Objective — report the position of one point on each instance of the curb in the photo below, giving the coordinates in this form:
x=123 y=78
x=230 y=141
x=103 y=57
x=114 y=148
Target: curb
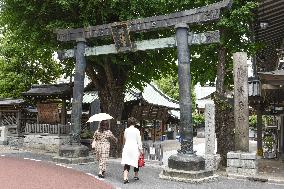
x=258 y=178
x=212 y=178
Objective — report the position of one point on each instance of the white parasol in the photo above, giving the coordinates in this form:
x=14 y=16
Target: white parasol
x=100 y=117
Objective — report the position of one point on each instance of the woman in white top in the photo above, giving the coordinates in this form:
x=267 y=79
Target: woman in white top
x=131 y=150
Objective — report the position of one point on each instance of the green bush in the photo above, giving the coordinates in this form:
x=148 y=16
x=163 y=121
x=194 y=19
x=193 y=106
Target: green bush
x=198 y=119
x=268 y=142
x=86 y=134
x=253 y=121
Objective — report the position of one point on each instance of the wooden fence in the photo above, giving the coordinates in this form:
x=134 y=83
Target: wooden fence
x=11 y=120
x=57 y=129
x=153 y=150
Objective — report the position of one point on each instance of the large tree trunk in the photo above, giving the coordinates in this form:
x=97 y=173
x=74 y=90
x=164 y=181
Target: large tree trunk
x=225 y=125
x=112 y=101
x=110 y=80
x=224 y=116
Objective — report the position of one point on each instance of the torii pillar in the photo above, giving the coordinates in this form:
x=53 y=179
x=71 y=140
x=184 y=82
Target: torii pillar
x=186 y=165
x=74 y=151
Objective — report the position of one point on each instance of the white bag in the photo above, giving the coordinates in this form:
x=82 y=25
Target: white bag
x=94 y=144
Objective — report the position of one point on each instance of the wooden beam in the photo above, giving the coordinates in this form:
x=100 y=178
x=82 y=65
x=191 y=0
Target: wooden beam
x=272 y=32
x=270 y=12
x=198 y=15
x=201 y=38
x=272 y=26
x=270 y=87
x=274 y=41
x=266 y=4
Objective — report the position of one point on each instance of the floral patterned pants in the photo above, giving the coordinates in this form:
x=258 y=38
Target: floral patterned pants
x=102 y=154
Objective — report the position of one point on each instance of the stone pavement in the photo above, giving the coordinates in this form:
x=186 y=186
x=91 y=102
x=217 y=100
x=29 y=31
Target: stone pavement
x=149 y=175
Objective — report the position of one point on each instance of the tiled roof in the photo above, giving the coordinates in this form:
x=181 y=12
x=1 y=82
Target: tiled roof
x=63 y=89
x=90 y=96
x=154 y=96
x=4 y=102
x=151 y=94
x=202 y=92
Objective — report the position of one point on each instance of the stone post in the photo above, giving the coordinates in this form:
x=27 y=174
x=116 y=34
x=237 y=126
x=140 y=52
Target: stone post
x=184 y=80
x=210 y=129
x=3 y=135
x=74 y=152
x=241 y=109
x=211 y=159
x=78 y=90
x=185 y=165
x=241 y=162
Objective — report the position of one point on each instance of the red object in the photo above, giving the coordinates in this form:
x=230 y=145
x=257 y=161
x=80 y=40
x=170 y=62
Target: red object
x=141 y=161
x=26 y=174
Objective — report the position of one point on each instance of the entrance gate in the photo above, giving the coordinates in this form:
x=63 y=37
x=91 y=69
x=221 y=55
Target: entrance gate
x=120 y=31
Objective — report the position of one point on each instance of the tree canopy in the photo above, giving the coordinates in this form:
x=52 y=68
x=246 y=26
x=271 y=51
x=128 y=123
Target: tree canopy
x=29 y=42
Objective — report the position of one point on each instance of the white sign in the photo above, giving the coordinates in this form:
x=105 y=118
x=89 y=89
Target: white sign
x=152 y=151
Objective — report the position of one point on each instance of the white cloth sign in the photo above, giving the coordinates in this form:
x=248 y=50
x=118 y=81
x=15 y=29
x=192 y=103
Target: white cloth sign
x=152 y=150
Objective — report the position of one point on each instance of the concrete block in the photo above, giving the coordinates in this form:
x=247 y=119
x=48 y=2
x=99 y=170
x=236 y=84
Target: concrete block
x=233 y=155
x=247 y=172
x=249 y=164
x=212 y=162
x=234 y=163
x=248 y=156
x=232 y=170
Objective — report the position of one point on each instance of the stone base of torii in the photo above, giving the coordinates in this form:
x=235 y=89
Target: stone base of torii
x=187 y=168
x=73 y=154
x=193 y=168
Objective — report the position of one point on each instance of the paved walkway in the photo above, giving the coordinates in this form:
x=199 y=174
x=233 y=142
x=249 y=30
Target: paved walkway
x=148 y=176
x=17 y=173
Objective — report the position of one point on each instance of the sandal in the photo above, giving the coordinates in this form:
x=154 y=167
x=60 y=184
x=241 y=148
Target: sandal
x=126 y=181
x=101 y=176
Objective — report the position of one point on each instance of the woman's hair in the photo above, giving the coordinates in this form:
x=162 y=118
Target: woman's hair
x=131 y=121
x=104 y=126
x=137 y=126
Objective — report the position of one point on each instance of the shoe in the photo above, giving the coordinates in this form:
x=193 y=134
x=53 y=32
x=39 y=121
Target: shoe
x=101 y=176
x=136 y=178
x=126 y=181
x=103 y=173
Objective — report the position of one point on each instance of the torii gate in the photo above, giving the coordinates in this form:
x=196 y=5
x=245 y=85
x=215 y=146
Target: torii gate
x=120 y=31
